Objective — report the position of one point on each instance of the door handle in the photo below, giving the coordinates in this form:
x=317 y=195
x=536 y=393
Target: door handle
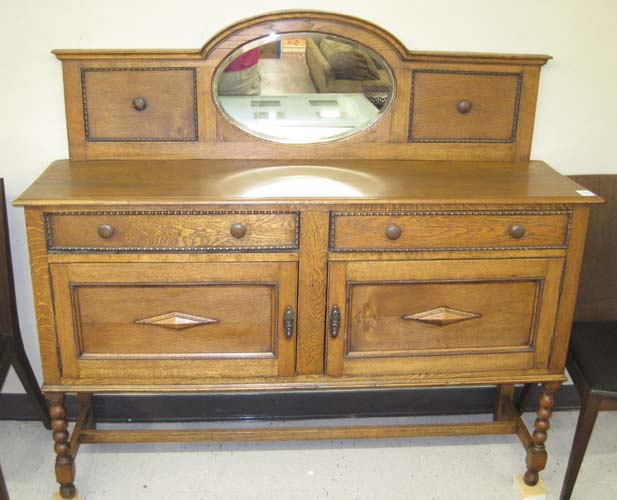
x=335 y=321
x=288 y=322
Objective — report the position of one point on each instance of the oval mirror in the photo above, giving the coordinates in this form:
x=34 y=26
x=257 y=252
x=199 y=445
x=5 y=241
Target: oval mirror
x=303 y=88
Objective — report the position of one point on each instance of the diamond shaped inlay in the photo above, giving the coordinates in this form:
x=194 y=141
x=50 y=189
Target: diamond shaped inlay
x=441 y=316
x=176 y=320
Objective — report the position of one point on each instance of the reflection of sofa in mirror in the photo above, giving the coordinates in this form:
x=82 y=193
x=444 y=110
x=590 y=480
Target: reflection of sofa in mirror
x=241 y=76
x=339 y=67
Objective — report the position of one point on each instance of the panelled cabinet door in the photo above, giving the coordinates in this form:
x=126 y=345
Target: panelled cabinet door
x=166 y=321
x=422 y=317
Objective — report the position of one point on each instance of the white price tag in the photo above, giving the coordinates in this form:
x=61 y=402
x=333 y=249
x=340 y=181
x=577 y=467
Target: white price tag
x=585 y=192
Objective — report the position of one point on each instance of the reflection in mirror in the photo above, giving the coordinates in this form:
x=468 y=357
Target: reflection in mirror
x=303 y=88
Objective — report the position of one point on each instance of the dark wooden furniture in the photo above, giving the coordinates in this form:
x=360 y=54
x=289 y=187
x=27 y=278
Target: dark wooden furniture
x=4 y=494
x=593 y=345
x=12 y=352
x=184 y=254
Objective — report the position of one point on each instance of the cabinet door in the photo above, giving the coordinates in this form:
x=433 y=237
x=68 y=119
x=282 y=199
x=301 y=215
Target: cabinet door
x=431 y=317
x=166 y=322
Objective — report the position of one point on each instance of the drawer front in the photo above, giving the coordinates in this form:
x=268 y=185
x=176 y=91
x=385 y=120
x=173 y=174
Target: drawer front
x=202 y=320
x=171 y=231
x=449 y=230
x=464 y=106
x=442 y=316
x=139 y=104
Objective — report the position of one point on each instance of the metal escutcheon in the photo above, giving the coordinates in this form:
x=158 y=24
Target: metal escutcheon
x=288 y=322
x=335 y=321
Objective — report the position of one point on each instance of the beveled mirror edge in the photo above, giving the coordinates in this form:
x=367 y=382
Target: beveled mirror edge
x=274 y=37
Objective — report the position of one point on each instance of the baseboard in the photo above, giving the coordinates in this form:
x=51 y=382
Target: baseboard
x=285 y=406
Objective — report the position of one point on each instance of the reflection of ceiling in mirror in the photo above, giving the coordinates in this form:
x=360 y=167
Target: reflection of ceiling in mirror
x=300 y=117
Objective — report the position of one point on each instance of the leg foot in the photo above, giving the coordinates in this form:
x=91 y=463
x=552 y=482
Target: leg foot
x=536 y=452
x=68 y=491
x=537 y=492
x=65 y=465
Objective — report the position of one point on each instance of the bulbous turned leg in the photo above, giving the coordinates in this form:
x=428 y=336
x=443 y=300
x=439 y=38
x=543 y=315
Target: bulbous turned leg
x=536 y=452
x=65 y=465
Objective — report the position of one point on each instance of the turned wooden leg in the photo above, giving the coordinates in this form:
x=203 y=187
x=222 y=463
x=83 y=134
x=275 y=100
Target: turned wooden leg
x=65 y=465
x=584 y=428
x=536 y=452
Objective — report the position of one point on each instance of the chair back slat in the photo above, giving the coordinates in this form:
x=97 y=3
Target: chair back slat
x=597 y=294
x=9 y=322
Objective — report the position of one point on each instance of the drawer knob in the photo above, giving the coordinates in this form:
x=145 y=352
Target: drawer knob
x=238 y=230
x=393 y=232
x=105 y=231
x=464 y=106
x=517 y=231
x=140 y=103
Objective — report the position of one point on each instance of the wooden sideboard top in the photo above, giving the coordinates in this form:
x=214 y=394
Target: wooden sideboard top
x=169 y=182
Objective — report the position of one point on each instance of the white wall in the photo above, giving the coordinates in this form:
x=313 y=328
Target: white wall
x=577 y=110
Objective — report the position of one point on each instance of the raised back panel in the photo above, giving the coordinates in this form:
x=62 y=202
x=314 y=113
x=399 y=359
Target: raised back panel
x=160 y=104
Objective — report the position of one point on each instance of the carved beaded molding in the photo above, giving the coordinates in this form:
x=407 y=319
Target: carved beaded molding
x=517 y=102
x=568 y=212
x=207 y=249
x=84 y=95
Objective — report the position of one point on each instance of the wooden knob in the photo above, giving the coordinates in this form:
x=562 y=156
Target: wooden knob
x=139 y=103
x=517 y=231
x=238 y=230
x=105 y=231
x=393 y=232
x=463 y=106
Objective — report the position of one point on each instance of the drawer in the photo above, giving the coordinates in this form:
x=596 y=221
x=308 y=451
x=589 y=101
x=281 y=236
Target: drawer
x=464 y=106
x=202 y=320
x=442 y=316
x=174 y=231
x=449 y=230
x=139 y=104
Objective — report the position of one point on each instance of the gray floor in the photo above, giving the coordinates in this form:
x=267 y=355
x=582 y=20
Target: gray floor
x=419 y=469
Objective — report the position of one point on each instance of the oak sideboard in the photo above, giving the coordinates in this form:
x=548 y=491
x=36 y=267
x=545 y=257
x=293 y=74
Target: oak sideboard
x=381 y=226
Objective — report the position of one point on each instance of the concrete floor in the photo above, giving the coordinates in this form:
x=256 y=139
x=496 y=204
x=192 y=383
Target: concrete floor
x=390 y=469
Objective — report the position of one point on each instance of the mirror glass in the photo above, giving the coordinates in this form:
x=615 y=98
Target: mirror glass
x=303 y=88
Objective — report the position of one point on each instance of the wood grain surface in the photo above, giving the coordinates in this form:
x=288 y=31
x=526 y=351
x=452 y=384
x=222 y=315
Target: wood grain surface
x=361 y=182
x=459 y=230
x=143 y=231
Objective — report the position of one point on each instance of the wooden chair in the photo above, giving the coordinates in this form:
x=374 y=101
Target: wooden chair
x=12 y=352
x=593 y=345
